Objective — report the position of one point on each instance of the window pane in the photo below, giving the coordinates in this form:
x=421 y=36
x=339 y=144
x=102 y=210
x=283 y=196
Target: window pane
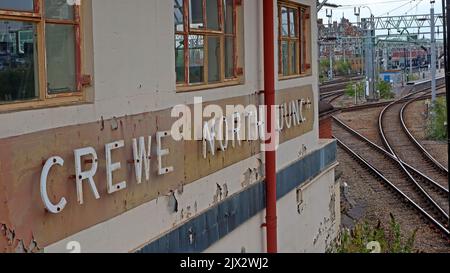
x=284 y=58
x=213 y=59
x=179 y=58
x=228 y=15
x=60 y=48
x=212 y=14
x=229 y=57
x=58 y=9
x=284 y=22
x=18 y=61
x=178 y=14
x=25 y=5
x=196 y=14
x=292 y=21
x=196 y=59
x=294 y=57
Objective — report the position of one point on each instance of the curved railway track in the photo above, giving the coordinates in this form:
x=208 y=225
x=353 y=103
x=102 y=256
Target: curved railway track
x=332 y=96
x=404 y=166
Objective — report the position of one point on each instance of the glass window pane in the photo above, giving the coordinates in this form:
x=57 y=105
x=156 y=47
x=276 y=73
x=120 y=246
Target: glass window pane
x=18 y=61
x=178 y=14
x=294 y=57
x=60 y=48
x=212 y=14
x=229 y=57
x=284 y=22
x=25 y=5
x=58 y=9
x=214 y=59
x=292 y=21
x=179 y=58
x=284 y=58
x=196 y=59
x=228 y=15
x=196 y=14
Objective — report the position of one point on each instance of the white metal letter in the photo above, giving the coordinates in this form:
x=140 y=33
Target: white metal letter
x=83 y=175
x=112 y=167
x=140 y=155
x=56 y=160
x=160 y=153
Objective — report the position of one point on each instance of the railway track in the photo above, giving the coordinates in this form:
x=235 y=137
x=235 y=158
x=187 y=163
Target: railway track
x=338 y=85
x=406 y=149
x=330 y=97
x=385 y=166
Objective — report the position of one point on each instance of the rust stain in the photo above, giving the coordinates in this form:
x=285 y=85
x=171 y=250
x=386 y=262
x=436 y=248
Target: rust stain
x=28 y=225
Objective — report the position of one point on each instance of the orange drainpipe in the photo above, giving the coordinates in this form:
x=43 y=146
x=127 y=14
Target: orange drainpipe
x=269 y=99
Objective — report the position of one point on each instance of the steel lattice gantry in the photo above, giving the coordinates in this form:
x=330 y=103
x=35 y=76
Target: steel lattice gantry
x=404 y=22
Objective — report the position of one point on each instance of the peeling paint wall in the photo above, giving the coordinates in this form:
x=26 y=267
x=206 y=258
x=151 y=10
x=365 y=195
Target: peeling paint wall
x=137 y=81
x=309 y=227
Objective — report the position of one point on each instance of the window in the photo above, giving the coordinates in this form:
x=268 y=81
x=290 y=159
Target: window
x=40 y=51
x=205 y=43
x=294 y=39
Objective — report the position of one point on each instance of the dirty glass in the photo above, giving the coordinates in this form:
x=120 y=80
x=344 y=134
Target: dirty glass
x=179 y=58
x=196 y=14
x=212 y=15
x=292 y=21
x=18 y=5
x=178 y=14
x=284 y=59
x=229 y=57
x=196 y=59
x=214 y=59
x=294 y=57
x=284 y=22
x=18 y=61
x=60 y=48
x=58 y=9
x=228 y=15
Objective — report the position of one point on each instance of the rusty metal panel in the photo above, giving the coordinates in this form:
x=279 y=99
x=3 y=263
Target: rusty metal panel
x=21 y=160
x=294 y=94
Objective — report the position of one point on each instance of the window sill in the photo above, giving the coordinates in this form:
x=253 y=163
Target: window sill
x=285 y=78
x=201 y=87
x=41 y=104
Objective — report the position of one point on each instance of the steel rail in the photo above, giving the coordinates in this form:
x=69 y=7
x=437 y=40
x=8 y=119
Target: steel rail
x=379 y=149
x=388 y=145
x=415 y=141
x=395 y=188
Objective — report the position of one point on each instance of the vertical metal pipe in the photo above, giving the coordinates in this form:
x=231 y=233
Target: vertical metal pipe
x=433 y=54
x=269 y=100
x=446 y=12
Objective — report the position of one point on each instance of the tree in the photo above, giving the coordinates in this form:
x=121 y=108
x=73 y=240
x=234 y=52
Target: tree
x=385 y=90
x=350 y=89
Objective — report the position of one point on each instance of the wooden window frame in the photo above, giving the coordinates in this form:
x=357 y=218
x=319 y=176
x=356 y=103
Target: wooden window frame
x=44 y=99
x=302 y=39
x=187 y=31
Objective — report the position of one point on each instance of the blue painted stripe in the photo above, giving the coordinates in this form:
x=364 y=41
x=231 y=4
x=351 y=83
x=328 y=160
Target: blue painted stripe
x=201 y=232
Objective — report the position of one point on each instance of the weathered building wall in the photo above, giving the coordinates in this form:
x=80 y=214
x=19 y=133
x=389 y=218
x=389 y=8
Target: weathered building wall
x=129 y=52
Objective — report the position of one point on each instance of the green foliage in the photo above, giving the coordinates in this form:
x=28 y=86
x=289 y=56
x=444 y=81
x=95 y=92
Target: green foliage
x=350 y=89
x=324 y=67
x=343 y=67
x=385 y=90
x=390 y=239
x=413 y=77
x=437 y=122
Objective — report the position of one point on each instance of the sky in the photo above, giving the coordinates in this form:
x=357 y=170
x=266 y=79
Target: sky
x=379 y=8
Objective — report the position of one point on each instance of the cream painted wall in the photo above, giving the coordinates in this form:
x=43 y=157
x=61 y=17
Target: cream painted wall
x=134 y=68
x=311 y=231
x=148 y=222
